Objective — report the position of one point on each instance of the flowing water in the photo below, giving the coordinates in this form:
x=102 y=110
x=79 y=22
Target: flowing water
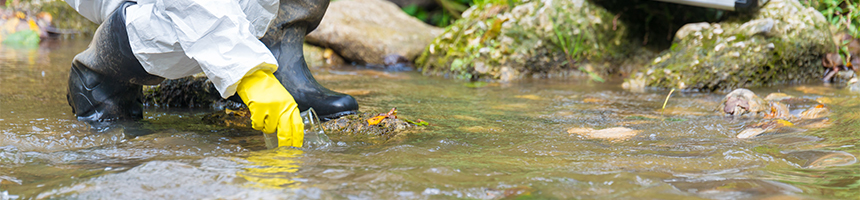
x=500 y=140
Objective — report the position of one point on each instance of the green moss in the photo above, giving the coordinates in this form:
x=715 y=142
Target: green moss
x=500 y=41
x=783 y=43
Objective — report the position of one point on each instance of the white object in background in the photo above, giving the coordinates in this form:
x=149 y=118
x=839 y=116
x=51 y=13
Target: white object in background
x=731 y=5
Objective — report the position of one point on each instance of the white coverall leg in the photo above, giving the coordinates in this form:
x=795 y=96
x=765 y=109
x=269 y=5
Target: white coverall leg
x=178 y=38
x=142 y=43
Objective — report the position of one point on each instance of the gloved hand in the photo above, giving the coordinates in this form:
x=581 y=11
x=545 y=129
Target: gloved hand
x=272 y=107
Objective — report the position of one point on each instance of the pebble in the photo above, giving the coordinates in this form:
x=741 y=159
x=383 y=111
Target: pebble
x=616 y=133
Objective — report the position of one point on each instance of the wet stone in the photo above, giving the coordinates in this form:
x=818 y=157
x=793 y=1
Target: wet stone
x=793 y=139
x=735 y=189
x=771 y=126
x=777 y=96
x=364 y=31
x=821 y=159
x=508 y=42
x=778 y=118
x=350 y=127
x=742 y=101
x=816 y=112
x=782 y=43
x=358 y=127
x=616 y=133
x=779 y=111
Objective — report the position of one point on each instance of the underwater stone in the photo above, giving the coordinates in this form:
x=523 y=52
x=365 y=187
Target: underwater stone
x=742 y=101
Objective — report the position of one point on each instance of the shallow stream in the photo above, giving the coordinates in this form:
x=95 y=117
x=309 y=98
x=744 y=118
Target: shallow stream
x=499 y=140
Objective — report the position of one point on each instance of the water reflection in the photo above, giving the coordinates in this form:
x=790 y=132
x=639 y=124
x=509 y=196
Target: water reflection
x=491 y=141
x=274 y=168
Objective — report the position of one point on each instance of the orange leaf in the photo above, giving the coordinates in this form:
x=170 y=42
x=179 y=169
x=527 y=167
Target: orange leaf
x=375 y=120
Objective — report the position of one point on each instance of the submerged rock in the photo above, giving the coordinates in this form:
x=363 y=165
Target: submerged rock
x=615 y=133
x=782 y=43
x=357 y=127
x=364 y=31
x=742 y=101
x=815 y=112
x=735 y=188
x=776 y=126
x=775 y=113
x=350 y=127
x=820 y=159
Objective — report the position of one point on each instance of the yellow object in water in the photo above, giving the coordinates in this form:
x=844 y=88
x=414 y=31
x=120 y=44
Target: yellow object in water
x=272 y=107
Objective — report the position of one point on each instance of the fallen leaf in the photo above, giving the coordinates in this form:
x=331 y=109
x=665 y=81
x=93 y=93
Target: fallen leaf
x=375 y=120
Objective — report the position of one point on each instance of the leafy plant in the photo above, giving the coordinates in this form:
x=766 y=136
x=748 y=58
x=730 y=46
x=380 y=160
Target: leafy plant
x=843 y=15
x=572 y=48
x=449 y=11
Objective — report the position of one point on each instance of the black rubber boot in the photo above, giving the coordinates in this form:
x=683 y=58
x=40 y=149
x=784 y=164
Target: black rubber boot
x=296 y=18
x=105 y=81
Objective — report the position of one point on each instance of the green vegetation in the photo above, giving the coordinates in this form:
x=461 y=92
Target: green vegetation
x=449 y=10
x=508 y=40
x=572 y=48
x=844 y=15
x=782 y=43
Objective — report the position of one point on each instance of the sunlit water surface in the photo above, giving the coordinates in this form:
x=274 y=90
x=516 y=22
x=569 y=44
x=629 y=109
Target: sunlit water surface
x=507 y=140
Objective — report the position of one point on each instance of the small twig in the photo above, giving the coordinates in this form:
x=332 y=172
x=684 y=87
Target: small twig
x=662 y=110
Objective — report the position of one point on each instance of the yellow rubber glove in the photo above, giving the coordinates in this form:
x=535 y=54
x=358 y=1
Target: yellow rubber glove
x=272 y=107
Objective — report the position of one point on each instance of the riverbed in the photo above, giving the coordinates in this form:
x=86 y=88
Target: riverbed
x=483 y=141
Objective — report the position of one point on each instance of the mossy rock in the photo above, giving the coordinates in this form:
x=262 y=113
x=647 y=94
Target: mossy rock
x=350 y=127
x=188 y=92
x=528 y=38
x=781 y=43
x=357 y=128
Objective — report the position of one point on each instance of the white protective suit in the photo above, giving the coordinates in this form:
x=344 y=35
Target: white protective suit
x=178 y=38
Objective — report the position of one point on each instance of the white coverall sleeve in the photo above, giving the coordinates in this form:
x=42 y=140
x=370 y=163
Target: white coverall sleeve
x=95 y=10
x=177 y=38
